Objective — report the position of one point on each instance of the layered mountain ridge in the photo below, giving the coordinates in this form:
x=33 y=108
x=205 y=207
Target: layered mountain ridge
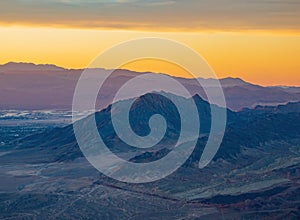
x=29 y=86
x=254 y=175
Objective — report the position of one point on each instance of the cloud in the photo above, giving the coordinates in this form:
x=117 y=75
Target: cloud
x=177 y=15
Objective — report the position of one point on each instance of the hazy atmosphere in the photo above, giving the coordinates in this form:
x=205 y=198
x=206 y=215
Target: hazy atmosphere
x=258 y=41
x=150 y=109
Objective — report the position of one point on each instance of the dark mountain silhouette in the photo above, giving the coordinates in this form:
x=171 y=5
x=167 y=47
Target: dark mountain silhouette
x=254 y=175
x=62 y=144
x=248 y=128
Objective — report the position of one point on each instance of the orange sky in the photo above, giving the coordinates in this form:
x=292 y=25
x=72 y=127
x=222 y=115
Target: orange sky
x=267 y=58
x=258 y=41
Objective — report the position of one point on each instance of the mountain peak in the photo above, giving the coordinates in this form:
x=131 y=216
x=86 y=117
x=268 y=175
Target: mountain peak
x=29 y=67
x=233 y=81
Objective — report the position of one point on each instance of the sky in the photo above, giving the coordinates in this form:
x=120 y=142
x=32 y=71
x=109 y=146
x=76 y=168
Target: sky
x=257 y=40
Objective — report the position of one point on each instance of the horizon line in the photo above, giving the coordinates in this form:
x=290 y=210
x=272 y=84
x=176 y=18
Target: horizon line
x=136 y=71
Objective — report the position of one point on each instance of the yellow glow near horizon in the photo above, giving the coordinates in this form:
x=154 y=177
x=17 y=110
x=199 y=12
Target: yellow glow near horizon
x=157 y=66
x=262 y=58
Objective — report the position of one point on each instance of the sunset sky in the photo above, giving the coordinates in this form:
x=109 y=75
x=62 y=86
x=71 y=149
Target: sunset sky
x=258 y=41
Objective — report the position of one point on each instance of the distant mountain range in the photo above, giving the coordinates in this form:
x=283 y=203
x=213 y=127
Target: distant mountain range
x=255 y=174
x=29 y=86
